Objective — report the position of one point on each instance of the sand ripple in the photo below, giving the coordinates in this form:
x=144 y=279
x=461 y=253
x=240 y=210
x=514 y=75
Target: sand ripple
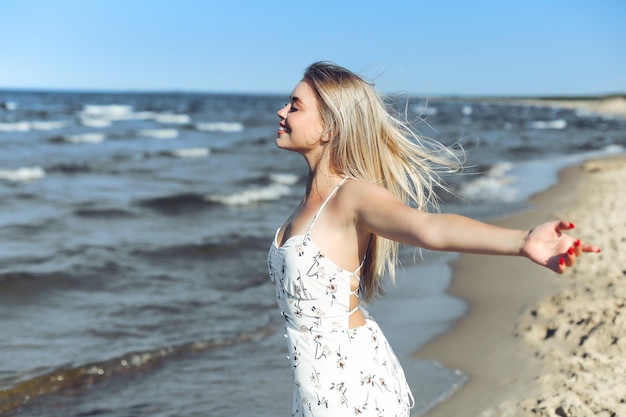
x=579 y=333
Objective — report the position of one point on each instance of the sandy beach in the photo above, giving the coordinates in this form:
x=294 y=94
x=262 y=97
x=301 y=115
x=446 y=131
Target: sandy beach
x=607 y=106
x=613 y=106
x=535 y=343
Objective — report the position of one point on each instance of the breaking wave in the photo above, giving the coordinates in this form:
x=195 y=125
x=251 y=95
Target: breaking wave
x=189 y=153
x=25 y=126
x=495 y=185
x=219 y=127
x=159 y=133
x=23 y=174
x=69 y=380
x=81 y=138
x=550 y=124
x=251 y=196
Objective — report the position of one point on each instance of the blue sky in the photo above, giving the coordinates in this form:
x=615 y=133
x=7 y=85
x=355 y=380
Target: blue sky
x=434 y=47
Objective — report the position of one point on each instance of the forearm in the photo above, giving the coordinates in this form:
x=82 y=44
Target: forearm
x=380 y=213
x=455 y=233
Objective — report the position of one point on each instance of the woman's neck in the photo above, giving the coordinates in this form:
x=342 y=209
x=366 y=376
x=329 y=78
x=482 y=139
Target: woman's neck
x=320 y=182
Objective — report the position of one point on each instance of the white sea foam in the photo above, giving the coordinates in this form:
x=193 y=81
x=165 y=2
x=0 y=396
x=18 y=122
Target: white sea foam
x=25 y=126
x=85 y=138
x=159 y=133
x=108 y=111
x=15 y=127
x=172 y=118
x=467 y=110
x=219 y=127
x=424 y=110
x=22 y=174
x=614 y=149
x=252 y=196
x=95 y=115
x=494 y=186
x=285 y=179
x=190 y=153
x=48 y=125
x=550 y=124
x=94 y=122
x=9 y=105
x=581 y=112
x=507 y=182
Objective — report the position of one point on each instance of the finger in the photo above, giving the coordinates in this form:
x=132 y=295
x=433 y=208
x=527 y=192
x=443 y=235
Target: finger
x=570 y=257
x=591 y=248
x=560 y=267
x=578 y=247
x=564 y=225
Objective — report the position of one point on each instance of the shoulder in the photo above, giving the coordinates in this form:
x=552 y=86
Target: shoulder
x=363 y=187
x=374 y=209
x=354 y=195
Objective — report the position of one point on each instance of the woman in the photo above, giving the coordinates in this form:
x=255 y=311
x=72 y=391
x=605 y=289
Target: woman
x=369 y=185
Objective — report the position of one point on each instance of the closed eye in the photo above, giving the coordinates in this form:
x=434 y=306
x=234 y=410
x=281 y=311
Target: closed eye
x=293 y=102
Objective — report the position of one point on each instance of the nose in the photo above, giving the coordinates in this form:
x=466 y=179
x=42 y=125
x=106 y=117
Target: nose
x=282 y=112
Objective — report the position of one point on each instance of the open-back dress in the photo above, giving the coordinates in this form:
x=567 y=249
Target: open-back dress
x=338 y=371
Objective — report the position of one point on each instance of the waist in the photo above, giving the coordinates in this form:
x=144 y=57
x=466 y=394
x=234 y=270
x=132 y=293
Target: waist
x=334 y=320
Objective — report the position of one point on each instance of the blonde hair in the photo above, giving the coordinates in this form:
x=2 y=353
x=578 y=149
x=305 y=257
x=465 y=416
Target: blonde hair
x=370 y=143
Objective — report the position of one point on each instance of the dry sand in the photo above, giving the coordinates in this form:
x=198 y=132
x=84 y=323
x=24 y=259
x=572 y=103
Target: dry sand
x=614 y=106
x=607 y=106
x=535 y=343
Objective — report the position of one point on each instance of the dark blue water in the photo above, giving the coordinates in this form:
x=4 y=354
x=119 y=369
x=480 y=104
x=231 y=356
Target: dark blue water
x=134 y=230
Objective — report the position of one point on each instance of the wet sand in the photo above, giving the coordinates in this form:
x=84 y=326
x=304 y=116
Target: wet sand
x=535 y=343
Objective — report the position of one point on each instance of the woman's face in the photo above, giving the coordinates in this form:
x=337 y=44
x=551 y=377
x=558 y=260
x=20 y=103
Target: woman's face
x=301 y=126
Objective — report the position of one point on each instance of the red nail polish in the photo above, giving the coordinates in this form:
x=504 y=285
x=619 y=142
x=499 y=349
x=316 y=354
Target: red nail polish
x=562 y=261
x=577 y=243
x=571 y=225
x=570 y=251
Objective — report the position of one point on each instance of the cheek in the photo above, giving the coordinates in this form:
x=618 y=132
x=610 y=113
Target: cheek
x=315 y=131
x=320 y=127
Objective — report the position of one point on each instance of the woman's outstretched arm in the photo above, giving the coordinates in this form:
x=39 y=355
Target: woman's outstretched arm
x=379 y=212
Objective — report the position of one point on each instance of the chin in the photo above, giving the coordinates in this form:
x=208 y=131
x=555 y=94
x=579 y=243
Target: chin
x=279 y=144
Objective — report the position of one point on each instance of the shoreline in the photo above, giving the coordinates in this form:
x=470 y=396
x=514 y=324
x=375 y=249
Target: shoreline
x=492 y=342
x=609 y=105
x=612 y=106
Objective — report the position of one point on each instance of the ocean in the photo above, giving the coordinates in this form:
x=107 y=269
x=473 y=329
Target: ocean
x=134 y=232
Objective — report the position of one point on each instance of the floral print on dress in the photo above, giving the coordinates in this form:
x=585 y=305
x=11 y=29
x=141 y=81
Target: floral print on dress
x=337 y=371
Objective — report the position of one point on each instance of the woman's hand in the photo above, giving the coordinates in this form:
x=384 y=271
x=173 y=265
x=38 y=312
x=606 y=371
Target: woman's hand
x=546 y=245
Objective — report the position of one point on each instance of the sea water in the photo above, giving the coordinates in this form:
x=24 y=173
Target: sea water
x=134 y=231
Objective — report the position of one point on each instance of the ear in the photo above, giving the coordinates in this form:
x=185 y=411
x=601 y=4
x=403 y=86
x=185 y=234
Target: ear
x=326 y=136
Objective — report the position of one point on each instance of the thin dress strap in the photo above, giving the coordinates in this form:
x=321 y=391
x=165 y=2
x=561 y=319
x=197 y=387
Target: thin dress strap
x=355 y=292
x=319 y=210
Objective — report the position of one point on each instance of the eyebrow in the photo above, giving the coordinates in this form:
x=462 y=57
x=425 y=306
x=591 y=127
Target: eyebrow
x=296 y=100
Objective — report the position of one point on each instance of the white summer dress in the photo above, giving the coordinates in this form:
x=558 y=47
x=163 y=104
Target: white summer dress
x=337 y=371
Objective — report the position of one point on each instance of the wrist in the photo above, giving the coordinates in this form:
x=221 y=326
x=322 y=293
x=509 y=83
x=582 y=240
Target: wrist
x=521 y=241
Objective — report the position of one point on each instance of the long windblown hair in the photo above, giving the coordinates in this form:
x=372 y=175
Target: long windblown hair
x=369 y=142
